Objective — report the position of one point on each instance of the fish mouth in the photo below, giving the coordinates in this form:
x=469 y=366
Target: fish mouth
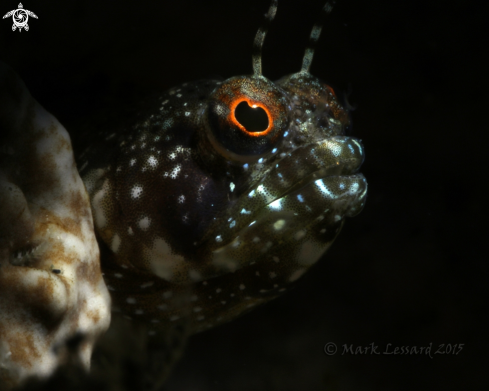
x=324 y=171
x=345 y=194
x=301 y=223
x=322 y=174
x=335 y=156
x=299 y=207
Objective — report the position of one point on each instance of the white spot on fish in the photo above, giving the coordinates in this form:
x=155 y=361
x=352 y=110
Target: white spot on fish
x=262 y=190
x=116 y=242
x=324 y=189
x=152 y=161
x=144 y=223
x=97 y=204
x=354 y=188
x=279 y=224
x=136 y=191
x=277 y=204
x=175 y=172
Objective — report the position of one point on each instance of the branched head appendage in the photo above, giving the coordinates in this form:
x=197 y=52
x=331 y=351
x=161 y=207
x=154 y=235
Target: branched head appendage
x=314 y=37
x=260 y=38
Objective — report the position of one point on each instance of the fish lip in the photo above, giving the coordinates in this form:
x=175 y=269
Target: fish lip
x=344 y=167
x=313 y=177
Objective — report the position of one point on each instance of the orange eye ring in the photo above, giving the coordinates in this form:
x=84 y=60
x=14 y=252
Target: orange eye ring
x=253 y=104
x=233 y=127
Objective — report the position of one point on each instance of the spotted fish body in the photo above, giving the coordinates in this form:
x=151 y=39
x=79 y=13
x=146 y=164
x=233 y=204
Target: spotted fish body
x=216 y=196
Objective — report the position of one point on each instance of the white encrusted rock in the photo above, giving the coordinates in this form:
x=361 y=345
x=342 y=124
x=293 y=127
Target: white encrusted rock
x=53 y=300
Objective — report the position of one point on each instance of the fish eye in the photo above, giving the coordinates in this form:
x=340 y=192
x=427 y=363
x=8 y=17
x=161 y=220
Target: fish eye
x=246 y=117
x=253 y=118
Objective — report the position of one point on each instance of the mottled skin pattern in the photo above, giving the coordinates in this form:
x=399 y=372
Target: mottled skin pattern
x=51 y=287
x=200 y=219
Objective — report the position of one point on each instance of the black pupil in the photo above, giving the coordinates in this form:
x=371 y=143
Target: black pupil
x=253 y=119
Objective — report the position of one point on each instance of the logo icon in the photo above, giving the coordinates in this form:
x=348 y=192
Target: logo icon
x=20 y=16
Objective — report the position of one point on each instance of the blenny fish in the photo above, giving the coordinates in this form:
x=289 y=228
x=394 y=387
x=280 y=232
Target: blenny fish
x=215 y=196
x=207 y=200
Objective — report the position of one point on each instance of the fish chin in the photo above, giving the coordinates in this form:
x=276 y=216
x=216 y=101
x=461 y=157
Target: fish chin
x=299 y=226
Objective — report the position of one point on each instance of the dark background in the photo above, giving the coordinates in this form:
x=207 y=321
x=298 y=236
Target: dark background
x=411 y=269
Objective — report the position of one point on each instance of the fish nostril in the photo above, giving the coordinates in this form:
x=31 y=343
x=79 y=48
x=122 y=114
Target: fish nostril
x=253 y=119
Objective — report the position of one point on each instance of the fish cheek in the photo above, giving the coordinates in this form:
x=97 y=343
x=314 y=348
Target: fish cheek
x=174 y=203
